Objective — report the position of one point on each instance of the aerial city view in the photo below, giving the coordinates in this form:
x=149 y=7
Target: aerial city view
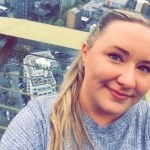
x=34 y=68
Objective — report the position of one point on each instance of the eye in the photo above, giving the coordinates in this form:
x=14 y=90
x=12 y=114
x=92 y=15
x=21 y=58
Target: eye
x=116 y=57
x=144 y=69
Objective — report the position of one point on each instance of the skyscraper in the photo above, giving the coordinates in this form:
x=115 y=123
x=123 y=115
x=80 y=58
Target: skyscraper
x=74 y=18
x=23 y=8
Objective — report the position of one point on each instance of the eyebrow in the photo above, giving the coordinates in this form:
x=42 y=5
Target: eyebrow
x=146 y=62
x=121 y=50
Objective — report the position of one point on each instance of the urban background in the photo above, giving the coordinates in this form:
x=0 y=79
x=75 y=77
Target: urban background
x=34 y=68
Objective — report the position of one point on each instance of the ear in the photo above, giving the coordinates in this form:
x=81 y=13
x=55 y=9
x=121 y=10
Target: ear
x=84 y=52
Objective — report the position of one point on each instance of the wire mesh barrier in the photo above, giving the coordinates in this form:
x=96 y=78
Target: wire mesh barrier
x=28 y=72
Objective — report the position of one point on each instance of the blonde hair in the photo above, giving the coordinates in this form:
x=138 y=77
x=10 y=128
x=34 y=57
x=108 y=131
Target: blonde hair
x=67 y=125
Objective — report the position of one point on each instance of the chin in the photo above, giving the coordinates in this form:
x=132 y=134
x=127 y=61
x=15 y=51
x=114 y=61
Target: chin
x=116 y=111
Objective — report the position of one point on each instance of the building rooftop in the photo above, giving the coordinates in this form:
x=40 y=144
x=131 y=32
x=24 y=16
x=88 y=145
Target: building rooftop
x=75 y=10
x=93 y=5
x=41 y=12
x=38 y=68
x=3 y=8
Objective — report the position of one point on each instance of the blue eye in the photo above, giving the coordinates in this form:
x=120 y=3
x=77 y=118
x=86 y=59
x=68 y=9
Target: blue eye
x=144 y=69
x=116 y=57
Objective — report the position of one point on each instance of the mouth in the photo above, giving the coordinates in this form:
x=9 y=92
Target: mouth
x=118 y=95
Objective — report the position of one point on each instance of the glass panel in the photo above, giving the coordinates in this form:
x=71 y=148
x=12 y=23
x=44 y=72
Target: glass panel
x=30 y=69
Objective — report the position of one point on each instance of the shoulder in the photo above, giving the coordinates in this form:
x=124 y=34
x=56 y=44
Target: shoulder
x=38 y=108
x=41 y=104
x=143 y=106
x=142 y=109
x=32 y=122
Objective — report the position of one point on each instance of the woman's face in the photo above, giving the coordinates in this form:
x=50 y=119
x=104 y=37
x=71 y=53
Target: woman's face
x=117 y=69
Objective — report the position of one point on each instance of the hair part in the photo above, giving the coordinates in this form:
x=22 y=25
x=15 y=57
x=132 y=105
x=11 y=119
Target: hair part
x=67 y=125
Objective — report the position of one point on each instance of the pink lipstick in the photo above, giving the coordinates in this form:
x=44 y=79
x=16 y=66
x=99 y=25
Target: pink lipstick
x=118 y=95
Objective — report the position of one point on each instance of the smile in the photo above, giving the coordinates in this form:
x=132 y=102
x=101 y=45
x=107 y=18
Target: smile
x=118 y=95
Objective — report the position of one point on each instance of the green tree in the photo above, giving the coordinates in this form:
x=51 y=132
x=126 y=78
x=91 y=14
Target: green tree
x=3 y=122
x=21 y=51
x=20 y=72
x=59 y=22
x=79 y=2
x=64 y=16
x=65 y=11
x=12 y=100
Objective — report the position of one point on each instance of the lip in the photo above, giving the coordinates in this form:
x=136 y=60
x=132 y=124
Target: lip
x=118 y=95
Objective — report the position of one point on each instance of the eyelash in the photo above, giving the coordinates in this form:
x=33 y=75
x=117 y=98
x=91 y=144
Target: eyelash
x=112 y=55
x=145 y=67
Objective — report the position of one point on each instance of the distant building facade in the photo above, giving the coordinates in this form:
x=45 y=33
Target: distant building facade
x=116 y=3
x=66 y=3
x=148 y=12
x=74 y=18
x=39 y=78
x=144 y=8
x=139 y=4
x=23 y=8
x=92 y=9
x=52 y=5
x=2 y=2
x=3 y=11
x=7 y=3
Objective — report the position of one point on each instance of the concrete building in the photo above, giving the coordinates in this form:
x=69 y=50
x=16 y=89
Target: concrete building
x=92 y=9
x=74 y=18
x=23 y=8
x=115 y=3
x=40 y=14
x=65 y=3
x=140 y=7
x=144 y=8
x=38 y=74
x=52 y=5
x=2 y=2
x=7 y=3
x=3 y=11
x=37 y=4
x=148 y=12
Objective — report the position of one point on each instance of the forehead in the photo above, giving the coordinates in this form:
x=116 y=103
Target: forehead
x=126 y=29
x=133 y=37
x=126 y=34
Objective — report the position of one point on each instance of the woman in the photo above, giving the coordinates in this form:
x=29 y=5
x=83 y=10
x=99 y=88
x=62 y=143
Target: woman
x=99 y=105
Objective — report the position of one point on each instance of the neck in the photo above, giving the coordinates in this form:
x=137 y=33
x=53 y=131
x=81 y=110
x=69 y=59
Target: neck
x=97 y=114
x=101 y=119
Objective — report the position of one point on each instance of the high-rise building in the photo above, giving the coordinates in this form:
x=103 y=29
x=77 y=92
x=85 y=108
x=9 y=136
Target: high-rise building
x=116 y=3
x=39 y=78
x=144 y=8
x=65 y=3
x=148 y=12
x=141 y=6
x=74 y=18
x=2 y=2
x=92 y=9
x=23 y=8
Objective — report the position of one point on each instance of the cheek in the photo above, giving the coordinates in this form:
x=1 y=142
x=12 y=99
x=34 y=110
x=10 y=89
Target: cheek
x=98 y=74
x=143 y=87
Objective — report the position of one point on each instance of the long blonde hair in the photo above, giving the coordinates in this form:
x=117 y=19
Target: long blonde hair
x=67 y=125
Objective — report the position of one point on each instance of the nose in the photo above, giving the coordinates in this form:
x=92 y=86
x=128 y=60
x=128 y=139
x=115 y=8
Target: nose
x=127 y=78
